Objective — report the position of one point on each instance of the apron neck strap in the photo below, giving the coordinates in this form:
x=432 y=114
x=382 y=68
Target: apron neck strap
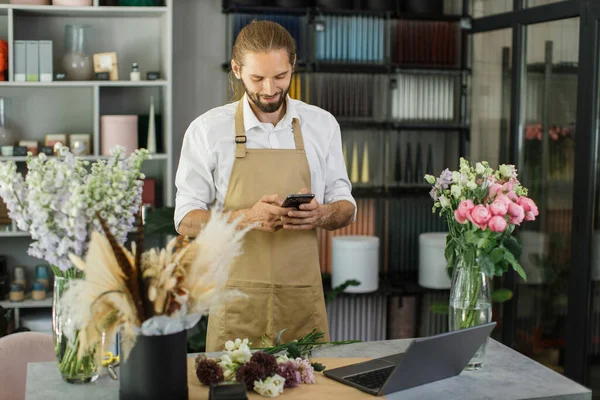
x=240 y=132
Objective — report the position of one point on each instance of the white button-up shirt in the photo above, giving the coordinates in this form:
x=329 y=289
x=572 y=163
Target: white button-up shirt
x=208 y=153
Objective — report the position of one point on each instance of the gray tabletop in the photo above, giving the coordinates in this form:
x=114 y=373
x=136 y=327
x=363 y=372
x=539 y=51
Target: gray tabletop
x=506 y=375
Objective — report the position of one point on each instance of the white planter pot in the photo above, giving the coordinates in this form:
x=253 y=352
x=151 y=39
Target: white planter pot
x=355 y=257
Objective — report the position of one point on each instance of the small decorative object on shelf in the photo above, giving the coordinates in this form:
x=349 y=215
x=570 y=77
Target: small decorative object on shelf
x=81 y=144
x=41 y=275
x=118 y=130
x=7 y=151
x=20 y=276
x=102 y=76
x=107 y=62
x=135 y=75
x=3 y=60
x=38 y=291
x=19 y=151
x=47 y=150
x=482 y=207
x=76 y=62
x=50 y=140
x=152 y=75
x=17 y=292
x=31 y=146
x=151 y=145
x=7 y=137
x=60 y=77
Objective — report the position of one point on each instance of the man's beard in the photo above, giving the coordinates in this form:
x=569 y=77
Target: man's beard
x=267 y=107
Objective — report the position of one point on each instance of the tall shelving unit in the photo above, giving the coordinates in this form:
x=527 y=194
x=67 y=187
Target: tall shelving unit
x=385 y=100
x=136 y=34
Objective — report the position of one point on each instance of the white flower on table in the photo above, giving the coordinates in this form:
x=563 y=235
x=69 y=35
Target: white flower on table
x=270 y=387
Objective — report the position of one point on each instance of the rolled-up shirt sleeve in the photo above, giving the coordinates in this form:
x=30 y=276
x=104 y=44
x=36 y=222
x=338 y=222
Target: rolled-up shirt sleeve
x=337 y=184
x=194 y=178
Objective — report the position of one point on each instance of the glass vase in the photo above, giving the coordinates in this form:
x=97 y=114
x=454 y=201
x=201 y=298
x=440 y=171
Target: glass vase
x=77 y=63
x=74 y=367
x=470 y=304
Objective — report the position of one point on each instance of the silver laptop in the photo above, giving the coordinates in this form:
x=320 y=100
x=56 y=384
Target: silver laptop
x=426 y=360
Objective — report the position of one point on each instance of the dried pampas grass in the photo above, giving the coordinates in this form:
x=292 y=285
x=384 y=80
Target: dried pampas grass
x=122 y=289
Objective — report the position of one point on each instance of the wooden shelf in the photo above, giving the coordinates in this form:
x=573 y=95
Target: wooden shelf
x=87 y=84
x=8 y=234
x=154 y=157
x=28 y=303
x=92 y=11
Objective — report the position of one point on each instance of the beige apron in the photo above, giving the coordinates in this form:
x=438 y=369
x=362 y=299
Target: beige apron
x=279 y=271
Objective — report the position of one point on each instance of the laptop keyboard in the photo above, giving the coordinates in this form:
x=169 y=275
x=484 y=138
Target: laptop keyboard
x=372 y=379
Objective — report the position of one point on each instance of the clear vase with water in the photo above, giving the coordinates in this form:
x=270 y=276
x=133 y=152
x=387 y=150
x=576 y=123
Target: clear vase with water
x=77 y=63
x=470 y=304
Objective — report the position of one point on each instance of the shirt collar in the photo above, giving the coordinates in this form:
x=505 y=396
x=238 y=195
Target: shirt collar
x=250 y=120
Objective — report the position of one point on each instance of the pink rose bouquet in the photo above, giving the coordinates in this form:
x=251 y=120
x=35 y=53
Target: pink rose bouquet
x=482 y=207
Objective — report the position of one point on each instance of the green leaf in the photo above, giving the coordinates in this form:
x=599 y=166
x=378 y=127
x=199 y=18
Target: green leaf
x=513 y=245
x=486 y=264
x=498 y=270
x=516 y=266
x=483 y=243
x=318 y=367
x=492 y=244
x=497 y=254
x=439 y=308
x=501 y=295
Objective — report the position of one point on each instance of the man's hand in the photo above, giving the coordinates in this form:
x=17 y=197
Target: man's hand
x=314 y=215
x=309 y=216
x=266 y=214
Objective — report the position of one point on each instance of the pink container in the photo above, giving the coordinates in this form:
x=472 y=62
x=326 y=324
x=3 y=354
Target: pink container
x=72 y=3
x=118 y=130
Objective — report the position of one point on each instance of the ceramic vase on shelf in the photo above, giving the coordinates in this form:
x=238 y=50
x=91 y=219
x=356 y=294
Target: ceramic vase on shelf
x=470 y=303
x=7 y=137
x=74 y=368
x=77 y=63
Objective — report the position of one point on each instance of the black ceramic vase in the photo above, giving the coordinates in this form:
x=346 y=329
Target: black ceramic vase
x=155 y=369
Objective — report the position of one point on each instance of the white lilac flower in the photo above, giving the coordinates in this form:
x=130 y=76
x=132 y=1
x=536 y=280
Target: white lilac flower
x=58 y=199
x=430 y=179
x=270 y=387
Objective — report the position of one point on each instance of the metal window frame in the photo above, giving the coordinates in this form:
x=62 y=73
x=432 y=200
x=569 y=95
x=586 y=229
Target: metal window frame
x=585 y=186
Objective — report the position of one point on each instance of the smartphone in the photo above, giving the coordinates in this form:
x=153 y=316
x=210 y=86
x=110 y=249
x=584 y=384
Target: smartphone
x=294 y=200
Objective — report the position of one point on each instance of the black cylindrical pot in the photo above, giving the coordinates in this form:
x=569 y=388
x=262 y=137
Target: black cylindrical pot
x=155 y=369
x=434 y=7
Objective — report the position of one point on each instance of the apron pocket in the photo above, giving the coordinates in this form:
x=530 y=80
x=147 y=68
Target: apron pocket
x=300 y=309
x=247 y=317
